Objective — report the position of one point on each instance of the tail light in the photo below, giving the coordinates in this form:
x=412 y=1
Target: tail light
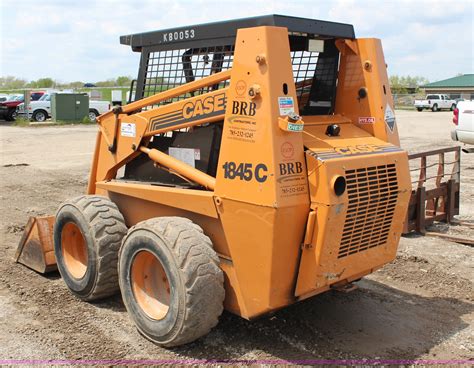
x=456 y=116
x=109 y=106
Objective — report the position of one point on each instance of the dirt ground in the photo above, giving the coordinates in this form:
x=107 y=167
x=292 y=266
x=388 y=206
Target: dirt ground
x=421 y=306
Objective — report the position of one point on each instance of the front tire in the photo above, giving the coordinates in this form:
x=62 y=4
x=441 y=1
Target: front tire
x=88 y=232
x=10 y=116
x=170 y=280
x=434 y=108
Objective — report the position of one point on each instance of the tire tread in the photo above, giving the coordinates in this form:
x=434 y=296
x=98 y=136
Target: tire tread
x=203 y=279
x=107 y=227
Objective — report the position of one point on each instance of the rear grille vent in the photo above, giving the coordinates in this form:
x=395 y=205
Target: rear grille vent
x=372 y=195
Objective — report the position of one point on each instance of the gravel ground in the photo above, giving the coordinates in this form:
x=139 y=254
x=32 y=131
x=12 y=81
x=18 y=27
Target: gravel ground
x=421 y=306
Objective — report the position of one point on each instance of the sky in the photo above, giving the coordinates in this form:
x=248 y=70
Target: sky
x=70 y=40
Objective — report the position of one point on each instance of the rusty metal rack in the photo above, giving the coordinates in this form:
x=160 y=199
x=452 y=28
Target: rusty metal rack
x=435 y=193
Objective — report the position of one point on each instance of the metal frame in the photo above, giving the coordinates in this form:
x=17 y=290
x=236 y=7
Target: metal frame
x=162 y=62
x=440 y=203
x=225 y=32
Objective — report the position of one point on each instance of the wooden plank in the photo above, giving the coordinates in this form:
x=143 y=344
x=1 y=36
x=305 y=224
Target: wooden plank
x=463 y=223
x=453 y=238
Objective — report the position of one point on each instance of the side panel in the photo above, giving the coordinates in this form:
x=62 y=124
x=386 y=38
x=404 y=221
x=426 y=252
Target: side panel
x=261 y=184
x=358 y=231
x=362 y=67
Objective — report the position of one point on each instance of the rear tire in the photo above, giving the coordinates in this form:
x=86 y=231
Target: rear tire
x=170 y=280
x=434 y=108
x=87 y=235
x=93 y=114
x=40 y=116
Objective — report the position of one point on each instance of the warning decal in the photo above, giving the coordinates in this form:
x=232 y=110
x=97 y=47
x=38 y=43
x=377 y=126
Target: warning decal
x=128 y=130
x=286 y=105
x=389 y=118
x=367 y=120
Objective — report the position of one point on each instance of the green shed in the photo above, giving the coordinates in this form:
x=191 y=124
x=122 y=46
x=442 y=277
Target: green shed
x=69 y=106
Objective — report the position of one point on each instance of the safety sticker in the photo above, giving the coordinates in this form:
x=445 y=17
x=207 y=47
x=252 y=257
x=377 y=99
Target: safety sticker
x=389 y=117
x=187 y=155
x=128 y=130
x=286 y=105
x=367 y=120
x=295 y=127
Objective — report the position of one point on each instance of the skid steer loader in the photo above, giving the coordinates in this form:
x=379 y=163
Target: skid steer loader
x=258 y=165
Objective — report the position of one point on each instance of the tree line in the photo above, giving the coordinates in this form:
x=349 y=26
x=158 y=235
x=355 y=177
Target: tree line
x=398 y=84
x=11 y=82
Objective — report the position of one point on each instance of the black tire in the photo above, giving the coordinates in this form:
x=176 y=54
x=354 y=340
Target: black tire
x=419 y=108
x=10 y=116
x=434 y=108
x=195 y=282
x=93 y=114
x=453 y=106
x=40 y=116
x=101 y=226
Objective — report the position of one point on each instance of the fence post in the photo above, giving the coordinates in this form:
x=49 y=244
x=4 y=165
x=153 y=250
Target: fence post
x=421 y=210
x=450 y=201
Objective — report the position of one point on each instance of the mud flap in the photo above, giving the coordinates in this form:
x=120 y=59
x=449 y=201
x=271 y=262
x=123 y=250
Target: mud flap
x=36 y=248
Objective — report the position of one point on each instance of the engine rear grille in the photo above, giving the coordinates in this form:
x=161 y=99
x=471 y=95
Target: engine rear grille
x=372 y=195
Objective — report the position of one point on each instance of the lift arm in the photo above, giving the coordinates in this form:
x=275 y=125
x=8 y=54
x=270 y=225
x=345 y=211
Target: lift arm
x=126 y=131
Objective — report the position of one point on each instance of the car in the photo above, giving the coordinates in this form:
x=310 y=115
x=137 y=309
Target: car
x=463 y=118
x=89 y=85
x=8 y=108
x=41 y=110
x=435 y=102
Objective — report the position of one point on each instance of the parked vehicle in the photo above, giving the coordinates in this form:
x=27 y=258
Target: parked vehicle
x=41 y=110
x=97 y=108
x=8 y=108
x=464 y=120
x=435 y=102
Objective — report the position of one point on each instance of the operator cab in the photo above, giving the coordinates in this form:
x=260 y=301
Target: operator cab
x=173 y=57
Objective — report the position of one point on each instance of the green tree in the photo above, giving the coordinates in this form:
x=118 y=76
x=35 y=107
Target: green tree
x=124 y=81
x=11 y=82
x=76 y=84
x=402 y=84
x=42 y=83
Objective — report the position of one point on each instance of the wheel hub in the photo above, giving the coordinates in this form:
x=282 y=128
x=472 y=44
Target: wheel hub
x=74 y=250
x=150 y=285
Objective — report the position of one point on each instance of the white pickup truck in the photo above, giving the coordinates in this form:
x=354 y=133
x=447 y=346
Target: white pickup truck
x=41 y=110
x=435 y=102
x=464 y=120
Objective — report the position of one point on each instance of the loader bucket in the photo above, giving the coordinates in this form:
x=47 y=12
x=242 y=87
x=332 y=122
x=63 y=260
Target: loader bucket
x=36 y=248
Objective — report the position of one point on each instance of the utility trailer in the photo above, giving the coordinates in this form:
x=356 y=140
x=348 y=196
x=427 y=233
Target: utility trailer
x=258 y=166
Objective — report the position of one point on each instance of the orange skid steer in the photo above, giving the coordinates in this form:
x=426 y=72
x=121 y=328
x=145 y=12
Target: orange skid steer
x=258 y=165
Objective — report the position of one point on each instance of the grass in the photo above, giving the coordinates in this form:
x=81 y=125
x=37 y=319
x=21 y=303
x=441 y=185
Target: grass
x=21 y=122
x=401 y=107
